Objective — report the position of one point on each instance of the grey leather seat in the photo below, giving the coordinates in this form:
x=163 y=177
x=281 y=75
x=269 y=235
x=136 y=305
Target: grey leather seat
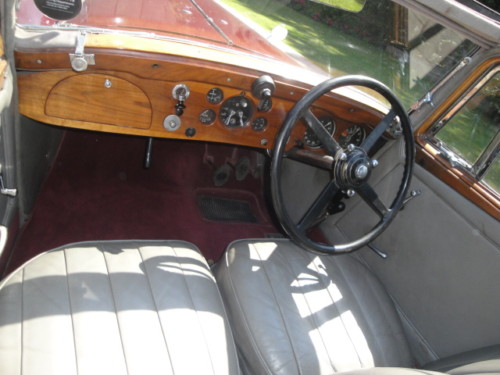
x=119 y=307
x=293 y=312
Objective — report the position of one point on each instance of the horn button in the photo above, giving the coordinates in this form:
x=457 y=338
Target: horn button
x=352 y=167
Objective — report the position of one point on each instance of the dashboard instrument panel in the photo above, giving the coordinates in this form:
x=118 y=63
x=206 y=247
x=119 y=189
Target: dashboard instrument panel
x=173 y=97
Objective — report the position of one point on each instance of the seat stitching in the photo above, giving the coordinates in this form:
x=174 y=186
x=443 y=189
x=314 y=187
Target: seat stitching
x=367 y=321
x=244 y=317
x=146 y=274
x=196 y=311
x=382 y=350
x=71 y=309
x=384 y=316
x=114 y=304
x=314 y=316
x=287 y=331
x=343 y=274
x=309 y=257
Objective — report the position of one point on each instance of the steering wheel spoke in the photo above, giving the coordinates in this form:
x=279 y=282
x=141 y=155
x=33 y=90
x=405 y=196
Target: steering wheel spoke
x=320 y=204
x=310 y=158
x=320 y=131
x=371 y=198
x=378 y=131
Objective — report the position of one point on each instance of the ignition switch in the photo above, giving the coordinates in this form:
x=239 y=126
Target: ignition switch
x=263 y=88
x=180 y=93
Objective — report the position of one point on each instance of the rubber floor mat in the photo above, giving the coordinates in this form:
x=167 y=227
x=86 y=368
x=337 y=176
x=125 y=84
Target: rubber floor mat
x=227 y=210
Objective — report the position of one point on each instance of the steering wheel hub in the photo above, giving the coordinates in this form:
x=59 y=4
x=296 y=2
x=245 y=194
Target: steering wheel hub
x=352 y=168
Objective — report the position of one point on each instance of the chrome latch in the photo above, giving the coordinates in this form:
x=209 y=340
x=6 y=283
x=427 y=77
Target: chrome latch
x=5 y=191
x=413 y=194
x=80 y=60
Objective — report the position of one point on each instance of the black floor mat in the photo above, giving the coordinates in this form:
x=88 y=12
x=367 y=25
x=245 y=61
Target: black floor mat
x=227 y=210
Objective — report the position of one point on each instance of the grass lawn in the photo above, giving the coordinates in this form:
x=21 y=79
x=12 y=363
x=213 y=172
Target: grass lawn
x=335 y=52
x=340 y=53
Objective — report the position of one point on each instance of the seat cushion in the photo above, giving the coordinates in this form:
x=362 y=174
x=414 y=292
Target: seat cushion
x=115 y=307
x=480 y=361
x=295 y=312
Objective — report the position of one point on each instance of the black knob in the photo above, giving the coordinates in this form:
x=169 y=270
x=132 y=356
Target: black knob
x=190 y=132
x=179 y=108
x=263 y=87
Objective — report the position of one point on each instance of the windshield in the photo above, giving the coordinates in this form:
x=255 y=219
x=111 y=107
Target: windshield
x=407 y=51
x=402 y=48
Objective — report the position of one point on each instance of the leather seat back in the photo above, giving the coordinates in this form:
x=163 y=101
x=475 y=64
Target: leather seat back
x=293 y=312
x=118 y=307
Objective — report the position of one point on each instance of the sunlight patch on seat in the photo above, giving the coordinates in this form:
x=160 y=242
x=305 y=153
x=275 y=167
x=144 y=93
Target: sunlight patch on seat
x=311 y=294
x=343 y=337
x=186 y=269
x=183 y=337
x=261 y=252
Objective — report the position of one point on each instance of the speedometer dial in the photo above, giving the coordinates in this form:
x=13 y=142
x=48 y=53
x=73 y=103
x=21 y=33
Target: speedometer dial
x=236 y=111
x=353 y=135
x=311 y=140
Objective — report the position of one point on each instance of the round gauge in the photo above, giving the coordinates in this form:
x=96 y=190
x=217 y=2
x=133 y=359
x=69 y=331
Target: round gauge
x=207 y=117
x=215 y=96
x=236 y=111
x=259 y=124
x=311 y=140
x=353 y=135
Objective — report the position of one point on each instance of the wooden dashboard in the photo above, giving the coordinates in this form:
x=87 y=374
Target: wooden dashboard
x=134 y=93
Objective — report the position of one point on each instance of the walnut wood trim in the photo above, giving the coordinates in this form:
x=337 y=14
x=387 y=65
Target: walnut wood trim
x=156 y=75
x=431 y=160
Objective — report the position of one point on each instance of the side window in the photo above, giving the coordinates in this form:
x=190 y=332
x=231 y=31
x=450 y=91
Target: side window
x=468 y=136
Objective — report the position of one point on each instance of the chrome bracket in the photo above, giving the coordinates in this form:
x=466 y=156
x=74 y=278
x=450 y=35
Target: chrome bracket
x=80 y=60
x=6 y=191
x=413 y=194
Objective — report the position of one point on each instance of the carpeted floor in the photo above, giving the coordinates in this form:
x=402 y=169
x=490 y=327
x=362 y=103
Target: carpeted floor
x=99 y=190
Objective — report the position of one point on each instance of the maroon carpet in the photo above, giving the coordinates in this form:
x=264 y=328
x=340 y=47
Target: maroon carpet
x=99 y=190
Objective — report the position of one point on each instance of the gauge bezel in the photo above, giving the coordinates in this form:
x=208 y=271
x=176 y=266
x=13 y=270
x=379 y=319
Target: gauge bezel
x=211 y=112
x=218 y=99
x=344 y=141
x=236 y=107
x=257 y=127
x=309 y=133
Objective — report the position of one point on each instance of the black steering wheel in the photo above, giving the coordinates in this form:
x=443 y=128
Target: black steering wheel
x=350 y=167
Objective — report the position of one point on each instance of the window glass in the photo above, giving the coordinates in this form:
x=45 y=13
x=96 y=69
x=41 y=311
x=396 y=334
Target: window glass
x=474 y=126
x=406 y=50
x=469 y=135
x=492 y=175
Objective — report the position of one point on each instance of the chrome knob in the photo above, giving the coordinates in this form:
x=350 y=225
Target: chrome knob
x=361 y=172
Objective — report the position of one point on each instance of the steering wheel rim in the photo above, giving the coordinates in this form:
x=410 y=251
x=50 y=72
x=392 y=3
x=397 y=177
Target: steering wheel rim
x=347 y=165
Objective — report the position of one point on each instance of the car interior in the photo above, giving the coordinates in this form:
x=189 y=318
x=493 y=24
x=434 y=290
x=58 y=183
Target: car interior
x=183 y=203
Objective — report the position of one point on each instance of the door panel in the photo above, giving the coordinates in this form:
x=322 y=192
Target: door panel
x=443 y=267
